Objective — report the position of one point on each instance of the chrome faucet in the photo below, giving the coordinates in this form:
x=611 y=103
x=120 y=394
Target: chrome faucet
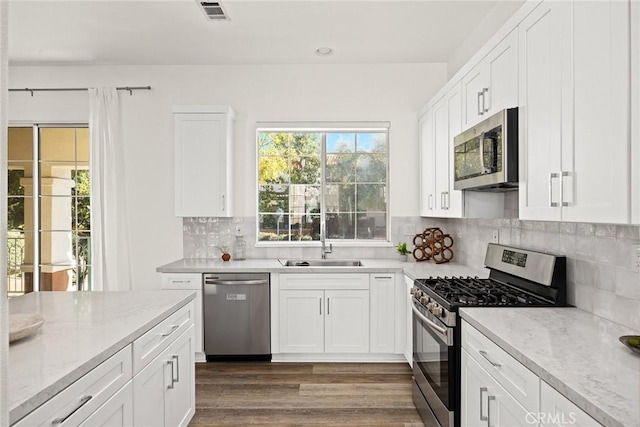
x=323 y=250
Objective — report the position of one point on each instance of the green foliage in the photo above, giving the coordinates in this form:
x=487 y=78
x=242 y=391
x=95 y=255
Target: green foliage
x=402 y=248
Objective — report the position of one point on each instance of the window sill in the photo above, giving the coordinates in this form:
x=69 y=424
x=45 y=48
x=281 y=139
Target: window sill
x=317 y=244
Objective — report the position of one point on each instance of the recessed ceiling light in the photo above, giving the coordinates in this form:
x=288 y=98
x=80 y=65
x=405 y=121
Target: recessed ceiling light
x=324 y=51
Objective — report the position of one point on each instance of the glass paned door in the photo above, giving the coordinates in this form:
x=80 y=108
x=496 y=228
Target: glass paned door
x=59 y=253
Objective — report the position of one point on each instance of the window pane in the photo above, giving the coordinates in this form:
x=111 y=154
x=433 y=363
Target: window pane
x=82 y=135
x=15 y=259
x=341 y=142
x=274 y=198
x=371 y=197
x=82 y=246
x=340 y=198
x=273 y=170
x=372 y=143
x=341 y=168
x=82 y=182
x=306 y=144
x=20 y=144
x=304 y=199
x=58 y=144
x=15 y=213
x=341 y=226
x=81 y=214
x=305 y=170
x=273 y=227
x=372 y=226
x=14 y=187
x=372 y=168
x=305 y=227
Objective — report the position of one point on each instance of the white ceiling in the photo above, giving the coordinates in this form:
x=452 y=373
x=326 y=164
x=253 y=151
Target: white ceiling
x=51 y=32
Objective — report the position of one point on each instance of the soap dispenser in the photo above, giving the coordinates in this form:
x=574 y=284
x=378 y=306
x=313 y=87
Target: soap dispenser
x=239 y=248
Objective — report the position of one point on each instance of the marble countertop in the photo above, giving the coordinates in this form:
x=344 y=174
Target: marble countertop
x=413 y=269
x=574 y=351
x=81 y=330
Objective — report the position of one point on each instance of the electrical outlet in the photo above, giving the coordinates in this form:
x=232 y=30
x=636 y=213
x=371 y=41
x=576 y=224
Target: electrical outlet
x=496 y=236
x=409 y=230
x=239 y=231
x=636 y=259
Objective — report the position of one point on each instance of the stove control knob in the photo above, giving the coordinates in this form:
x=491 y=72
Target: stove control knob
x=438 y=311
x=431 y=305
x=424 y=299
x=414 y=291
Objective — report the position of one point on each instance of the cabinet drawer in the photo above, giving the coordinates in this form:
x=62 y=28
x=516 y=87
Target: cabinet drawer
x=324 y=281
x=518 y=380
x=82 y=398
x=151 y=344
x=182 y=281
x=557 y=410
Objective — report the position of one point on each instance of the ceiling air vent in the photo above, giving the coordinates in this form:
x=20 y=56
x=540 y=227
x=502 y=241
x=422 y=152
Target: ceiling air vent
x=213 y=10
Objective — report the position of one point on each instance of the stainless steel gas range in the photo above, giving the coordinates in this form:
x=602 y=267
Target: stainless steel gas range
x=518 y=277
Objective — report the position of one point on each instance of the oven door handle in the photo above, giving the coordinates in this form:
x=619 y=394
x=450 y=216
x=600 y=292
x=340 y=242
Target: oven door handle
x=443 y=332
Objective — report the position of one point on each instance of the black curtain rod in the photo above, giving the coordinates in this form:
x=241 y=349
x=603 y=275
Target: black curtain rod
x=75 y=89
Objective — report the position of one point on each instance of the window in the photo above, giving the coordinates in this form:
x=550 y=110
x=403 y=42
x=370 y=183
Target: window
x=55 y=253
x=308 y=178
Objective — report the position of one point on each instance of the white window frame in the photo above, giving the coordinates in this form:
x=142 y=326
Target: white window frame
x=323 y=127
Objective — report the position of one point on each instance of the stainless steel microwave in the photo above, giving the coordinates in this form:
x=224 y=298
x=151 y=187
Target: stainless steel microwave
x=486 y=156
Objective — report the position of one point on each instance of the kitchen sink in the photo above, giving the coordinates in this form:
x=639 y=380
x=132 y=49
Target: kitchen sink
x=321 y=263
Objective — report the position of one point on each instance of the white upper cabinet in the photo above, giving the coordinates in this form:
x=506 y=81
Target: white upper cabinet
x=203 y=160
x=493 y=83
x=439 y=125
x=574 y=101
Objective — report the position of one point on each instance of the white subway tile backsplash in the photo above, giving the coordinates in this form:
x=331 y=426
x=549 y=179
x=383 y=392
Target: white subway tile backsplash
x=567 y=227
x=605 y=230
x=604 y=303
x=627 y=283
x=585 y=229
x=605 y=249
x=604 y=277
x=585 y=247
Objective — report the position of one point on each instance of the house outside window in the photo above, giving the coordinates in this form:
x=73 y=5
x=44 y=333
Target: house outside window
x=329 y=178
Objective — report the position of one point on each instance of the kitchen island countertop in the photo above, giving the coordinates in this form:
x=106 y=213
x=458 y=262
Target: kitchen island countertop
x=411 y=268
x=574 y=351
x=81 y=330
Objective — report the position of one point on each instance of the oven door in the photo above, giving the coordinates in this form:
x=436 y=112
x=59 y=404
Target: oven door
x=434 y=367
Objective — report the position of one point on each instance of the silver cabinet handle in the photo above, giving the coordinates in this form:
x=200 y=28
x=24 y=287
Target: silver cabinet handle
x=486 y=356
x=485 y=91
x=80 y=404
x=442 y=200
x=209 y=281
x=480 y=108
x=482 y=391
x=552 y=175
x=430 y=201
x=489 y=400
x=223 y=203
x=173 y=329
x=383 y=277
x=177 y=359
x=447 y=199
x=328 y=305
x=562 y=175
x=170 y=362
x=320 y=306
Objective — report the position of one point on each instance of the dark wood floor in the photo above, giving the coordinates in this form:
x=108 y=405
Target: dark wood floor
x=303 y=394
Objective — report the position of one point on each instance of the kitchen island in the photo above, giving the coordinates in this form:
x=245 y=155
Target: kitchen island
x=82 y=330
x=575 y=352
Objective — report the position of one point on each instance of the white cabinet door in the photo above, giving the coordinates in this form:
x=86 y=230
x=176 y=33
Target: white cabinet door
x=408 y=350
x=346 y=321
x=544 y=48
x=492 y=85
x=427 y=173
x=193 y=282
x=203 y=160
x=382 y=313
x=149 y=395
x=454 y=198
x=502 y=75
x=484 y=402
x=116 y=412
x=474 y=84
x=301 y=325
x=557 y=410
x=595 y=161
x=441 y=157
x=181 y=401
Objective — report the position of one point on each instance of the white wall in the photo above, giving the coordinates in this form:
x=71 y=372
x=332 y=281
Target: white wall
x=389 y=92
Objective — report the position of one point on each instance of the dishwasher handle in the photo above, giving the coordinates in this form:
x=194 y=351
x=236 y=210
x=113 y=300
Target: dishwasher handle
x=235 y=282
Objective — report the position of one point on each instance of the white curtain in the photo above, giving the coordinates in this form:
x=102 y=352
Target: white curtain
x=109 y=231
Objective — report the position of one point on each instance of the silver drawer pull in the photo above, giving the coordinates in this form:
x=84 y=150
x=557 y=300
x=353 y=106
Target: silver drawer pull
x=489 y=400
x=482 y=391
x=170 y=362
x=484 y=354
x=177 y=359
x=82 y=402
x=173 y=329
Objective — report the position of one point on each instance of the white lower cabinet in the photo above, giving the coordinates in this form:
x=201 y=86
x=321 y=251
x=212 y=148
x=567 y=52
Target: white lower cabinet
x=557 y=410
x=164 y=391
x=484 y=402
x=116 y=412
x=382 y=313
x=330 y=321
x=190 y=282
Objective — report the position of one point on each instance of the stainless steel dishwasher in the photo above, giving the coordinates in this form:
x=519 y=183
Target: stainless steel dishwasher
x=236 y=316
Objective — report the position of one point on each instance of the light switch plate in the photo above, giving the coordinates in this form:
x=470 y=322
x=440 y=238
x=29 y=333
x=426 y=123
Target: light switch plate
x=496 y=236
